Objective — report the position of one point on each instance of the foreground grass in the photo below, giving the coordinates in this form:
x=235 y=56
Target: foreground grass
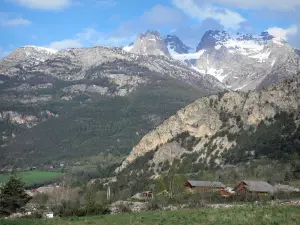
x=32 y=177
x=287 y=215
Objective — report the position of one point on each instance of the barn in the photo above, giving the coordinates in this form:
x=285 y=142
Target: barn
x=204 y=186
x=254 y=187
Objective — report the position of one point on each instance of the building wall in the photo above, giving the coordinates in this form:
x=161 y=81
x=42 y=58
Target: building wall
x=204 y=189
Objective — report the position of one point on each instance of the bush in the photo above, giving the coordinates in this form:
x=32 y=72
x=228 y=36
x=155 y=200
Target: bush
x=34 y=215
x=69 y=209
x=124 y=208
x=152 y=206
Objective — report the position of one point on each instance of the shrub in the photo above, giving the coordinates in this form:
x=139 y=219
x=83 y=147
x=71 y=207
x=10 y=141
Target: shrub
x=152 y=206
x=124 y=208
x=69 y=209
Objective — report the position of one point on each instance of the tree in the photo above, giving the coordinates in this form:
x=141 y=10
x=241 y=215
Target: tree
x=13 y=196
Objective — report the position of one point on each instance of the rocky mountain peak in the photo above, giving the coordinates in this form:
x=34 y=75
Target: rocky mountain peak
x=211 y=38
x=150 y=43
x=266 y=36
x=175 y=44
x=151 y=33
x=26 y=56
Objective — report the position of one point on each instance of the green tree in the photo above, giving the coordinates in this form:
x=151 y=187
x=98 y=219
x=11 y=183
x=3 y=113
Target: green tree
x=13 y=196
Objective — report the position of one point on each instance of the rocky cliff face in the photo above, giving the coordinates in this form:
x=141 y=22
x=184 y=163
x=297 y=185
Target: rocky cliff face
x=204 y=128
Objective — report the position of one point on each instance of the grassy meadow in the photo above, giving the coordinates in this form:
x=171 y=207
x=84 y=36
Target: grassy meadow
x=264 y=215
x=31 y=177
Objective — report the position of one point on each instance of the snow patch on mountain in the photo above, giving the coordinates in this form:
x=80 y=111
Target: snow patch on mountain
x=246 y=47
x=278 y=41
x=49 y=51
x=128 y=48
x=183 y=57
x=261 y=56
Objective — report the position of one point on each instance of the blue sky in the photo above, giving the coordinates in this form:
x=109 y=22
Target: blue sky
x=81 y=23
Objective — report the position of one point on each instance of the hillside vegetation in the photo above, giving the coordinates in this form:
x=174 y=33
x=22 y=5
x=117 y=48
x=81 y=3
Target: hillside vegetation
x=88 y=128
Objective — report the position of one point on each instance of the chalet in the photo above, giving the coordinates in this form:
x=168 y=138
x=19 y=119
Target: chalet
x=254 y=187
x=204 y=186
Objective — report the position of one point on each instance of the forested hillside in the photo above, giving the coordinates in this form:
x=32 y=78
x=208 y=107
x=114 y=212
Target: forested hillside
x=86 y=128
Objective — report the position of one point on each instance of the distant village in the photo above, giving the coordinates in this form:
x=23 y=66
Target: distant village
x=243 y=188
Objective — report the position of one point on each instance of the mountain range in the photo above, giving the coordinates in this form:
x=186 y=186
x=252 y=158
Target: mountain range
x=241 y=61
x=83 y=104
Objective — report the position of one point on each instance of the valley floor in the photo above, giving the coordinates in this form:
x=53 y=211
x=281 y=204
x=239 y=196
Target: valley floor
x=248 y=215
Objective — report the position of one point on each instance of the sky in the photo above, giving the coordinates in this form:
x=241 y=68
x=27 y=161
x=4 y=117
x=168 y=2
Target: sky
x=61 y=24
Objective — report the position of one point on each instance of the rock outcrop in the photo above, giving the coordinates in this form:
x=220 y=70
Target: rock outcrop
x=208 y=116
x=150 y=43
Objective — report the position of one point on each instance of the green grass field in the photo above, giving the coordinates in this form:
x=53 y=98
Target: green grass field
x=287 y=215
x=32 y=177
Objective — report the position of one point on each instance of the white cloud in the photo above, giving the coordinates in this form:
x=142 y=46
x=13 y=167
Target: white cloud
x=226 y=17
x=64 y=44
x=261 y=4
x=285 y=34
x=16 y=22
x=44 y=4
x=161 y=15
x=91 y=36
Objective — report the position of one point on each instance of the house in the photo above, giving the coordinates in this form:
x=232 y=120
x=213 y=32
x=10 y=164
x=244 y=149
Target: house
x=204 y=186
x=254 y=187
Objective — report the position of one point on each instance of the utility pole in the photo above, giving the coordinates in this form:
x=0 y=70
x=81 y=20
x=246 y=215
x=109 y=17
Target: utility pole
x=108 y=193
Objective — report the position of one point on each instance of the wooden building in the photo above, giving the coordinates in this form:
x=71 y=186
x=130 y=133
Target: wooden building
x=254 y=187
x=204 y=186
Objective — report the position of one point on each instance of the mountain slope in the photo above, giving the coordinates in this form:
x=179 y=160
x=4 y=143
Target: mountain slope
x=225 y=128
x=78 y=103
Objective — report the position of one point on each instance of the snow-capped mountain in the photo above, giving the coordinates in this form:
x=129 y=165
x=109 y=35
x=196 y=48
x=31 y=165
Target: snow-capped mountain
x=240 y=61
x=246 y=62
x=150 y=43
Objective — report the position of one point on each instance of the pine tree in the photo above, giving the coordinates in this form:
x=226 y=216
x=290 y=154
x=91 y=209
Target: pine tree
x=13 y=196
